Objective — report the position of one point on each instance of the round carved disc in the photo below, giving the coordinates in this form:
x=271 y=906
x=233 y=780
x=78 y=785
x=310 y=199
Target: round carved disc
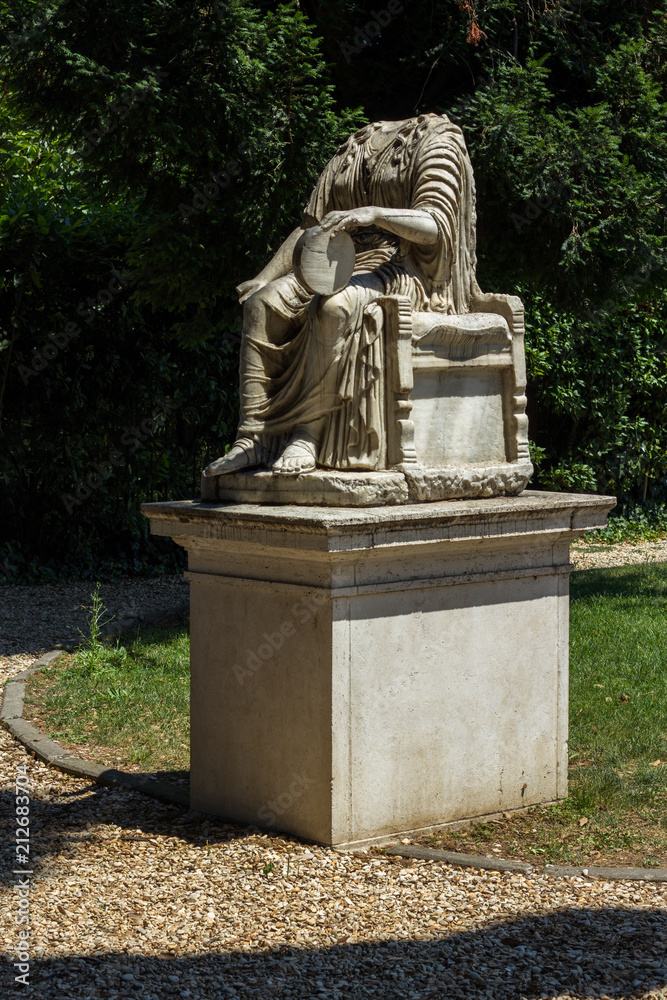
x=323 y=263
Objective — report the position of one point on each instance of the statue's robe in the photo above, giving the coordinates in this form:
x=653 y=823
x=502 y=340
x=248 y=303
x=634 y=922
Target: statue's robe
x=329 y=364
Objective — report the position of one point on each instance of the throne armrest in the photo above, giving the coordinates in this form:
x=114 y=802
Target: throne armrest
x=510 y=307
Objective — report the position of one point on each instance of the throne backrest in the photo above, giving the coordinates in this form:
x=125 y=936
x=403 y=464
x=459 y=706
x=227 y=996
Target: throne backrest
x=455 y=385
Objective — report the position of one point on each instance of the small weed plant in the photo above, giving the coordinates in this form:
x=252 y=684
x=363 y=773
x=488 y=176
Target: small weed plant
x=93 y=654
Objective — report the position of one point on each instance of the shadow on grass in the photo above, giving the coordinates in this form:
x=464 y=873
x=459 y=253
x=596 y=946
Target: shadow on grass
x=630 y=584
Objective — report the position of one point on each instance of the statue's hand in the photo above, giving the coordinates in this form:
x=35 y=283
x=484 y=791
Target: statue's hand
x=336 y=222
x=248 y=288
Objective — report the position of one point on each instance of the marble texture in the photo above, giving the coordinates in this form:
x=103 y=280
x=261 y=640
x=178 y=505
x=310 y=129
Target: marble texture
x=329 y=488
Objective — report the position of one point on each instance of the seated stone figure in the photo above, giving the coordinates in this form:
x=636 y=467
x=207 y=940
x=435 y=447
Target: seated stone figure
x=314 y=388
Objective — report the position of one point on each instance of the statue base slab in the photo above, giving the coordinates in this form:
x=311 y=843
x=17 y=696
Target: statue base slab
x=332 y=488
x=322 y=488
x=359 y=674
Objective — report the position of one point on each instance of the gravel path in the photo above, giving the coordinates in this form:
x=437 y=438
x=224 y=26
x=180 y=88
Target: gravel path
x=35 y=619
x=128 y=900
x=589 y=555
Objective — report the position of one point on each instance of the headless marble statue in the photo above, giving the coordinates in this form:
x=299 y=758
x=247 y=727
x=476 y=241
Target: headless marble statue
x=316 y=390
x=403 y=190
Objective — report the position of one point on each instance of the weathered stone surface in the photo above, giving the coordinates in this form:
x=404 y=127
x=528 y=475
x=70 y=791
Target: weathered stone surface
x=531 y=511
x=325 y=487
x=604 y=872
x=324 y=263
x=330 y=488
x=358 y=673
x=447 y=484
x=463 y=860
x=368 y=345
x=12 y=701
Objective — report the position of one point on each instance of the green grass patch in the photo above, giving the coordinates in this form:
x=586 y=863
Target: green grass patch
x=133 y=700
x=617 y=807
x=618 y=688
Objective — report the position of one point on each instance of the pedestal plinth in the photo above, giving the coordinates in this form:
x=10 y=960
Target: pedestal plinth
x=356 y=674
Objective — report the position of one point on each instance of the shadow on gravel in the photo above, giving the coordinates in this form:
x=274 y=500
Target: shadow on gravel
x=580 y=953
x=614 y=953
x=60 y=824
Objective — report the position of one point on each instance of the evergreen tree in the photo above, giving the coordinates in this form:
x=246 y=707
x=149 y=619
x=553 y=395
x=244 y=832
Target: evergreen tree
x=179 y=143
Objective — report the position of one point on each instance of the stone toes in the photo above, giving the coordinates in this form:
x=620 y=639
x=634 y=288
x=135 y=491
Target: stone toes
x=212 y=469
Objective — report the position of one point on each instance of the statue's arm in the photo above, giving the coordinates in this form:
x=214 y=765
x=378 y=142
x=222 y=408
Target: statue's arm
x=279 y=265
x=407 y=223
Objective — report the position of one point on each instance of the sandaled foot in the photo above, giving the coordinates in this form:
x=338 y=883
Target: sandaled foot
x=298 y=457
x=244 y=454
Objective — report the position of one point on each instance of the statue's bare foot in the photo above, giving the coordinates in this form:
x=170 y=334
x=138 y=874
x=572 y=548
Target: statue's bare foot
x=244 y=454
x=298 y=457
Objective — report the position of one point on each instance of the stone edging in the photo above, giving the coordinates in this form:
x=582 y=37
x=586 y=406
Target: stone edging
x=499 y=865
x=47 y=750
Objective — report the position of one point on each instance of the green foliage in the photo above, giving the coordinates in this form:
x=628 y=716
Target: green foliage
x=160 y=99
x=115 y=119
x=633 y=522
x=598 y=385
x=176 y=145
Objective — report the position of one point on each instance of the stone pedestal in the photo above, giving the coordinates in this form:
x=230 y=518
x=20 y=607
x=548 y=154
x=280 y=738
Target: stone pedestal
x=357 y=674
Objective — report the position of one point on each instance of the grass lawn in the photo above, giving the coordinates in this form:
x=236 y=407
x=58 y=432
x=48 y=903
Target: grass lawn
x=134 y=705
x=132 y=708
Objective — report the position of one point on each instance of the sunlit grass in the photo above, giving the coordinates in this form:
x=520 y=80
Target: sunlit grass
x=133 y=699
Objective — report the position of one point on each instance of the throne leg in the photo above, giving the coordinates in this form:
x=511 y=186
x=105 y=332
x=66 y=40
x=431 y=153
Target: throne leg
x=398 y=353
